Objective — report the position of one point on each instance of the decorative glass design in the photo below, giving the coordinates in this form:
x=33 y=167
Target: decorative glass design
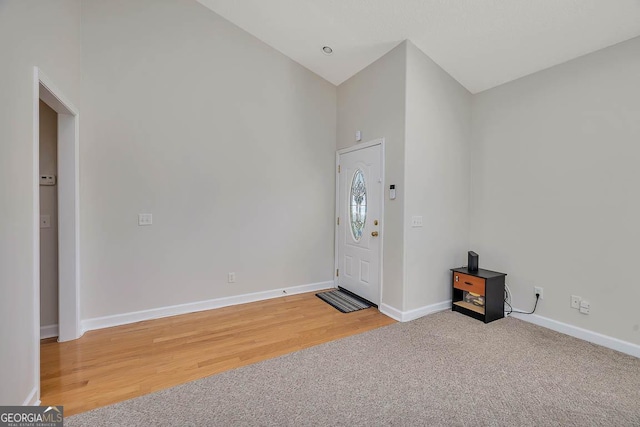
x=358 y=204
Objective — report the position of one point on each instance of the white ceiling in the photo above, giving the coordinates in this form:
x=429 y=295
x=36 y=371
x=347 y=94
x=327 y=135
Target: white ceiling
x=481 y=43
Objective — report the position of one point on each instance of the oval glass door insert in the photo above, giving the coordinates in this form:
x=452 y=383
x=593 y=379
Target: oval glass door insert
x=357 y=204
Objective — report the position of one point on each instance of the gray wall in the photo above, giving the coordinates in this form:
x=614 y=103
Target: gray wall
x=425 y=117
x=438 y=134
x=228 y=143
x=49 y=206
x=373 y=101
x=46 y=34
x=554 y=188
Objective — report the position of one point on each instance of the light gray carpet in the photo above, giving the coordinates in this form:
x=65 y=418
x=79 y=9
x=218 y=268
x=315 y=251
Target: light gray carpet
x=442 y=370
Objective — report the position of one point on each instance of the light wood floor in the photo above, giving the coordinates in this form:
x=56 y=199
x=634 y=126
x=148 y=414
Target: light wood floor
x=115 y=364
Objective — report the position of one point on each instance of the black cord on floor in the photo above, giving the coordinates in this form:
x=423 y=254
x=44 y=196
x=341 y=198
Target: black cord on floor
x=511 y=310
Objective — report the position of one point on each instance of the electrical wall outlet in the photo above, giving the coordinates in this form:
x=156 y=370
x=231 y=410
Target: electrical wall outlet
x=585 y=307
x=45 y=221
x=538 y=290
x=575 y=301
x=231 y=278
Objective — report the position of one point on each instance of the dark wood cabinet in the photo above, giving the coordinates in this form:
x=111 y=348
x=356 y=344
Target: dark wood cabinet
x=479 y=293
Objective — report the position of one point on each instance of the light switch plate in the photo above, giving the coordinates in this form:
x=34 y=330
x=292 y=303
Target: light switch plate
x=416 y=221
x=145 y=219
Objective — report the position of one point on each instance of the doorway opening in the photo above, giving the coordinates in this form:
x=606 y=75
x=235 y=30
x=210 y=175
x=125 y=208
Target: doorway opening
x=68 y=213
x=48 y=171
x=68 y=226
x=67 y=183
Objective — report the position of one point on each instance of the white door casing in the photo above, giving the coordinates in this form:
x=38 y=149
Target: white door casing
x=68 y=214
x=68 y=206
x=359 y=256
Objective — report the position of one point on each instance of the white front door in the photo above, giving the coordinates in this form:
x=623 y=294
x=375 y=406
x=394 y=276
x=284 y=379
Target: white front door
x=359 y=225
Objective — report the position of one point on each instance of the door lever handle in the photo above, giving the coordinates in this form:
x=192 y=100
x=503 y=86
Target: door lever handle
x=374 y=233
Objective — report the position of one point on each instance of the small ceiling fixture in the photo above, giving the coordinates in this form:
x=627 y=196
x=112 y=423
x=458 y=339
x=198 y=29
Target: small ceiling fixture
x=327 y=50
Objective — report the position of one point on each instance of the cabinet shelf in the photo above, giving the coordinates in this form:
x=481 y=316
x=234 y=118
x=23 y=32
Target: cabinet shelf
x=470 y=306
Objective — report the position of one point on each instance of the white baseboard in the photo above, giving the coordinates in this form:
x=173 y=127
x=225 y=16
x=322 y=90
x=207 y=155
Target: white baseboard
x=157 y=313
x=407 y=316
x=392 y=312
x=32 y=399
x=583 y=334
x=564 y=328
x=48 y=331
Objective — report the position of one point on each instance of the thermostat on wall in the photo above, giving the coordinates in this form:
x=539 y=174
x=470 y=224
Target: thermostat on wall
x=47 y=180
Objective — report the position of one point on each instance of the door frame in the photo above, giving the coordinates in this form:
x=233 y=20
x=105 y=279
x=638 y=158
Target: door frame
x=68 y=211
x=381 y=142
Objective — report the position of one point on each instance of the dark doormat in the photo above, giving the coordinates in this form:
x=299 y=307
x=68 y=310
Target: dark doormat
x=343 y=301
